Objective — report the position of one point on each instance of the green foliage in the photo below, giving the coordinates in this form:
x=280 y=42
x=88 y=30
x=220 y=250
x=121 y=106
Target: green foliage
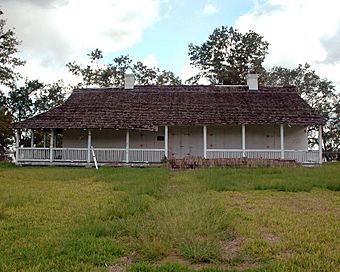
x=6 y=132
x=320 y=94
x=101 y=74
x=228 y=55
x=8 y=54
x=35 y=97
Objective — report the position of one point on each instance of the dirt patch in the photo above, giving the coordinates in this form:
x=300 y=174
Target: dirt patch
x=231 y=249
x=123 y=263
x=271 y=238
x=174 y=258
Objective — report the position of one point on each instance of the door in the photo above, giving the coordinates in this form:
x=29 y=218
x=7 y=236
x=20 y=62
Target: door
x=185 y=141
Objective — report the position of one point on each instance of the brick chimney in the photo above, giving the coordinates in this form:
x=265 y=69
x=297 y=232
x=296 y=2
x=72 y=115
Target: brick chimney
x=253 y=82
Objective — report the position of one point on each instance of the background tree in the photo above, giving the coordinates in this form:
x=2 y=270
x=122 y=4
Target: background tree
x=99 y=74
x=6 y=132
x=228 y=55
x=8 y=50
x=319 y=93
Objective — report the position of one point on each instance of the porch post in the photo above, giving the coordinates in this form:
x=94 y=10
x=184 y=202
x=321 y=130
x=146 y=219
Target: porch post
x=127 y=146
x=17 y=144
x=282 y=141
x=166 y=142
x=89 y=142
x=51 y=145
x=205 y=142
x=44 y=139
x=320 y=144
x=243 y=140
x=32 y=138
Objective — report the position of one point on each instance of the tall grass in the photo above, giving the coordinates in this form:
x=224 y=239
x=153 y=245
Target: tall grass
x=74 y=219
x=280 y=179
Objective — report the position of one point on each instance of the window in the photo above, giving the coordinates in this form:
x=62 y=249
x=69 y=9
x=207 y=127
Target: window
x=160 y=138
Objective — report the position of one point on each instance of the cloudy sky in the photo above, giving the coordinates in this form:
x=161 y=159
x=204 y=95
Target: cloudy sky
x=54 y=32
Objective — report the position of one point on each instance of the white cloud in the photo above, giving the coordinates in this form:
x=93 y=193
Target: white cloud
x=209 y=8
x=297 y=31
x=188 y=71
x=55 y=32
x=150 y=61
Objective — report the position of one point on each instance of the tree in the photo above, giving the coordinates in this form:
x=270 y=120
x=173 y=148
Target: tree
x=320 y=94
x=8 y=50
x=100 y=74
x=6 y=132
x=35 y=97
x=228 y=56
x=50 y=96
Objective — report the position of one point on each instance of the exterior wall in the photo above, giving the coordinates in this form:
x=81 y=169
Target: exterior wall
x=262 y=137
x=268 y=137
x=75 y=138
x=224 y=137
x=109 y=138
x=147 y=139
x=296 y=138
x=184 y=141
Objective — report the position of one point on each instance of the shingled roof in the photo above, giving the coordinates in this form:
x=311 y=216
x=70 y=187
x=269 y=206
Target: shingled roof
x=147 y=107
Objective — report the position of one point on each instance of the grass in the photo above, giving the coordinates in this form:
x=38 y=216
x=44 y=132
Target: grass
x=153 y=219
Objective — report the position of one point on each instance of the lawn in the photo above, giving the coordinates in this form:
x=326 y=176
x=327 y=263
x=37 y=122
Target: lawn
x=154 y=219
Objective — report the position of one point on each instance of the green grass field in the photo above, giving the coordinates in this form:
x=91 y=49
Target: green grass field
x=154 y=219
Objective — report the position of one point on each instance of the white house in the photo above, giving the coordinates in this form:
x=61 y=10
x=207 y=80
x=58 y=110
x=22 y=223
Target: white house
x=149 y=123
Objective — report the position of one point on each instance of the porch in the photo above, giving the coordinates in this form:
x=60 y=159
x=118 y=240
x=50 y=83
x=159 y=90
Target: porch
x=81 y=147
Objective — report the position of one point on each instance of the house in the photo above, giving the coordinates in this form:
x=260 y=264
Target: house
x=149 y=123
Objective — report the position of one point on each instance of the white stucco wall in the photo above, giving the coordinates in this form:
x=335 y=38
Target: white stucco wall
x=296 y=138
x=113 y=138
x=257 y=137
x=75 y=138
x=186 y=140
x=263 y=137
x=224 y=137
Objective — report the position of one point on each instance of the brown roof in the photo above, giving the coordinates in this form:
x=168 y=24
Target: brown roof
x=146 y=107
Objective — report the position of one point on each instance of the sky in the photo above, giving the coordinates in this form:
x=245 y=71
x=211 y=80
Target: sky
x=158 y=32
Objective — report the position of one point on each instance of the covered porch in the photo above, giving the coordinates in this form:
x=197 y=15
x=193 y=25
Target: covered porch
x=107 y=146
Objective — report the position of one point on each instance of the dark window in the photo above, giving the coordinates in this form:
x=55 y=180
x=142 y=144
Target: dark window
x=160 y=138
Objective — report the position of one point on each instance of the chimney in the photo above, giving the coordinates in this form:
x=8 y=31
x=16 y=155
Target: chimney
x=129 y=80
x=253 y=82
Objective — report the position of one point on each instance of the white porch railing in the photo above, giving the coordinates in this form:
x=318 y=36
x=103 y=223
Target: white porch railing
x=146 y=155
x=33 y=154
x=70 y=154
x=297 y=155
x=223 y=153
x=263 y=154
x=303 y=155
x=110 y=154
x=26 y=154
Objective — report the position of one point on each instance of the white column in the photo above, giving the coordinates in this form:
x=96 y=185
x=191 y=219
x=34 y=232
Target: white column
x=243 y=140
x=51 y=145
x=89 y=142
x=166 y=142
x=127 y=146
x=17 y=143
x=320 y=144
x=205 y=142
x=32 y=138
x=282 y=139
x=44 y=139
